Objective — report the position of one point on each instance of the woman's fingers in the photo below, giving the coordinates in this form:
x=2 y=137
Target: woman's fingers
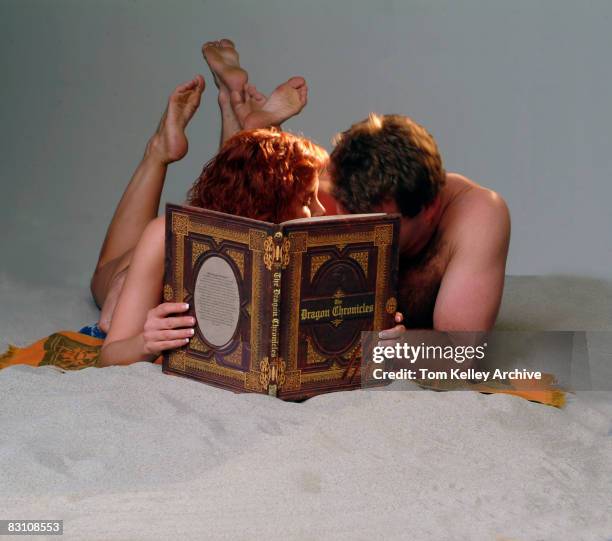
x=163 y=336
x=157 y=316
x=176 y=322
x=167 y=308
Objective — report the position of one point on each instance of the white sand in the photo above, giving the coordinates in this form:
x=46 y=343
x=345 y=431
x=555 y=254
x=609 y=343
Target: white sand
x=129 y=453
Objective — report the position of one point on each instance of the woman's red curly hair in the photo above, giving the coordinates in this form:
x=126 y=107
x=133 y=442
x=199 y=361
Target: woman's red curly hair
x=258 y=174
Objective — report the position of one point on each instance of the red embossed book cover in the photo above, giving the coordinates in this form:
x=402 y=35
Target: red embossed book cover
x=279 y=307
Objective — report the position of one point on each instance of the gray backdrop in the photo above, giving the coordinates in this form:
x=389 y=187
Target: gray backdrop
x=517 y=94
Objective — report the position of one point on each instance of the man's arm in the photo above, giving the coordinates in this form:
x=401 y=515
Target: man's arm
x=471 y=289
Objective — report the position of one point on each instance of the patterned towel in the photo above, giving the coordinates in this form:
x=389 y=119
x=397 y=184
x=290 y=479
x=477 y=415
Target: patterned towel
x=68 y=350
x=71 y=350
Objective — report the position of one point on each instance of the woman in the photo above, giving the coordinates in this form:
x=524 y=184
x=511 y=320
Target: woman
x=263 y=174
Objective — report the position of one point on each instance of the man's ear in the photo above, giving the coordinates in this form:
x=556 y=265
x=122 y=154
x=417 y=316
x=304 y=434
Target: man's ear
x=431 y=211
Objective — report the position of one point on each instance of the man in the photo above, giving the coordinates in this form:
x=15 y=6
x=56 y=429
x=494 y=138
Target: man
x=454 y=234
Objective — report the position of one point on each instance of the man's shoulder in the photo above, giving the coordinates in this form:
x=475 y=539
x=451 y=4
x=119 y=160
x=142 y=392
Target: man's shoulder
x=475 y=213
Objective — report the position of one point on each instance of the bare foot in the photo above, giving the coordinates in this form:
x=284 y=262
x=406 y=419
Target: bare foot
x=256 y=100
x=170 y=142
x=286 y=101
x=223 y=60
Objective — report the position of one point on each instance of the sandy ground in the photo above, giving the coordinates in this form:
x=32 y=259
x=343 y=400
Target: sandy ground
x=129 y=453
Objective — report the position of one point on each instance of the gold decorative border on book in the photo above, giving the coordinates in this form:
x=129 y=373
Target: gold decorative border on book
x=293 y=380
x=381 y=286
x=285 y=252
x=180 y=224
x=362 y=259
x=316 y=261
x=341 y=239
x=177 y=360
x=268 y=255
x=198 y=345
x=238 y=258
x=220 y=233
x=235 y=357
x=298 y=245
x=383 y=237
x=252 y=381
x=325 y=375
x=180 y=228
x=312 y=357
x=197 y=249
x=212 y=367
x=256 y=245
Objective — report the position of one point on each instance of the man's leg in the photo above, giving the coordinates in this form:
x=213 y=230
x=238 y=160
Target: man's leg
x=242 y=105
x=224 y=63
x=140 y=201
x=286 y=101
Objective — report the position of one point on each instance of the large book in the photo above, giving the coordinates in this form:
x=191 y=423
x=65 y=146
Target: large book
x=279 y=307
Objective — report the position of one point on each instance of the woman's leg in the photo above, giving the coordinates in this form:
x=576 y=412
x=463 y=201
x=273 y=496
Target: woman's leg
x=140 y=201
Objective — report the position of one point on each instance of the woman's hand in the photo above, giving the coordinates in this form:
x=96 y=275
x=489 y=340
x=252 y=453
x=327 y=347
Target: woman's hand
x=163 y=331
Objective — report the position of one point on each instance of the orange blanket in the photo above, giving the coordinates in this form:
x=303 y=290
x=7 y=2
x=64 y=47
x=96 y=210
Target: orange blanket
x=66 y=349
x=71 y=350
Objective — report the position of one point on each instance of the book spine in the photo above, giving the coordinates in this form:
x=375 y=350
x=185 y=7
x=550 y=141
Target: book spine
x=275 y=322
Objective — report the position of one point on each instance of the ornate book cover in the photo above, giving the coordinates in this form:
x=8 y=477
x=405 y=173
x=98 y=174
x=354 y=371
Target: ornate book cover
x=279 y=307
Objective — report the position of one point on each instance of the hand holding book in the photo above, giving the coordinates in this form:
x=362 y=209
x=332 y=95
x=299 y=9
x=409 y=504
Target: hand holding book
x=163 y=331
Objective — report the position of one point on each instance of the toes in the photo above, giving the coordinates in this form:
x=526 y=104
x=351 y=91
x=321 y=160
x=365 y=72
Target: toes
x=303 y=93
x=257 y=95
x=224 y=96
x=197 y=83
x=253 y=93
x=236 y=98
x=185 y=86
x=210 y=46
x=227 y=43
x=239 y=106
x=207 y=45
x=200 y=82
x=296 y=82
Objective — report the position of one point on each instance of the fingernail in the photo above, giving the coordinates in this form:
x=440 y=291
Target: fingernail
x=192 y=320
x=186 y=340
x=186 y=306
x=191 y=332
x=382 y=334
